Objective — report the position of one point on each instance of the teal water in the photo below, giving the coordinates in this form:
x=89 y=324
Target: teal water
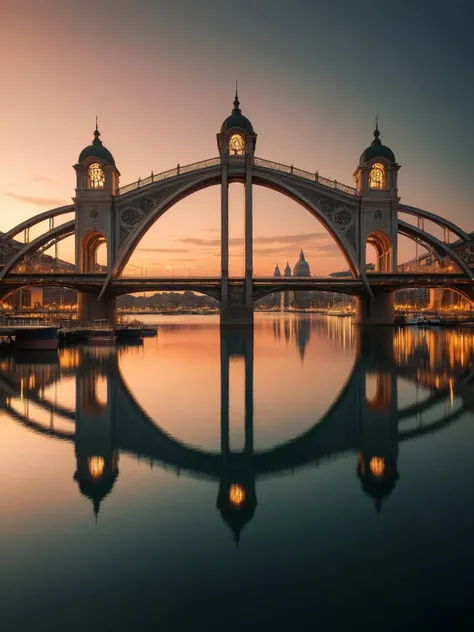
x=304 y=476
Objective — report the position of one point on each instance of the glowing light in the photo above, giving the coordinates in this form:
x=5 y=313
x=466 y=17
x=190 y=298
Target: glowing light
x=96 y=176
x=377 y=176
x=237 y=496
x=236 y=144
x=96 y=466
x=377 y=466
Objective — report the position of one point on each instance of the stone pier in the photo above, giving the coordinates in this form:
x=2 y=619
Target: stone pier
x=89 y=308
x=378 y=310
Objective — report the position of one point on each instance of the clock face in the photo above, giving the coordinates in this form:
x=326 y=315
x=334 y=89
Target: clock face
x=96 y=176
x=377 y=177
x=236 y=144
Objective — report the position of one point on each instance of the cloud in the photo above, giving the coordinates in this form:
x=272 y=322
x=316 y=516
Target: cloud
x=168 y=250
x=41 y=179
x=39 y=201
x=288 y=240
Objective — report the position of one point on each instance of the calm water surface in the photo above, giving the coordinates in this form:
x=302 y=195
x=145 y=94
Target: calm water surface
x=303 y=476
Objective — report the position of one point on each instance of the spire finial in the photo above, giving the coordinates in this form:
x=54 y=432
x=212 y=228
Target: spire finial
x=376 y=131
x=96 y=140
x=236 y=99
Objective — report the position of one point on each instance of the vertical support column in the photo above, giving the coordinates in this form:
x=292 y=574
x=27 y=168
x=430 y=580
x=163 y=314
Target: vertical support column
x=224 y=234
x=248 y=232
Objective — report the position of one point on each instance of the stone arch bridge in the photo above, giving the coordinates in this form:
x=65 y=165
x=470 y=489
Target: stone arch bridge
x=369 y=213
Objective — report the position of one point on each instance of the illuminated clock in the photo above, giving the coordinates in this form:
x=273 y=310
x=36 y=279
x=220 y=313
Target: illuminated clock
x=236 y=144
x=96 y=176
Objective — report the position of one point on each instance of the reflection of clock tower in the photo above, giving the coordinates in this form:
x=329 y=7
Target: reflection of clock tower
x=236 y=142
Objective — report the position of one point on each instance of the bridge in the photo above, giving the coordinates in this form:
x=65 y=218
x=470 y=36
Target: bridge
x=370 y=426
x=369 y=213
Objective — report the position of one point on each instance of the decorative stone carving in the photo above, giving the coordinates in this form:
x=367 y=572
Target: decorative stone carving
x=131 y=217
x=343 y=217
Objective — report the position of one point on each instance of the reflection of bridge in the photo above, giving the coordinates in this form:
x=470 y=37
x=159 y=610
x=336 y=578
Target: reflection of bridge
x=369 y=424
x=119 y=217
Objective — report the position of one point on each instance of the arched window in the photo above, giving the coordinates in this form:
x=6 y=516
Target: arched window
x=96 y=176
x=377 y=176
x=236 y=144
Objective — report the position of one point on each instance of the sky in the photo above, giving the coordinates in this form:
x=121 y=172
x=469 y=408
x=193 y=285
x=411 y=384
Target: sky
x=160 y=75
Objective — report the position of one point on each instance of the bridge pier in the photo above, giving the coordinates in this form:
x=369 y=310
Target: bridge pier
x=375 y=311
x=89 y=308
x=235 y=310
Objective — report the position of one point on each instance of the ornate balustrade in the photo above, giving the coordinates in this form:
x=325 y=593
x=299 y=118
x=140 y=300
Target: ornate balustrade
x=258 y=162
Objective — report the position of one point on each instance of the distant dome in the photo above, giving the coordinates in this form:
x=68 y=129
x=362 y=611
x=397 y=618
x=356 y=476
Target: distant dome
x=287 y=270
x=277 y=272
x=377 y=150
x=97 y=150
x=237 y=120
x=301 y=268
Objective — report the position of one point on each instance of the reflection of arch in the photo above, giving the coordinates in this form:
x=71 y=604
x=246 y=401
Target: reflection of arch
x=90 y=244
x=305 y=197
x=383 y=247
x=382 y=397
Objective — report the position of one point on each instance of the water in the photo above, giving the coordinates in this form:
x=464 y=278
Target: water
x=304 y=476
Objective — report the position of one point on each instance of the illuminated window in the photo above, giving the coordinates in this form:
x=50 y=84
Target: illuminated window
x=236 y=144
x=96 y=176
x=377 y=465
x=236 y=496
x=377 y=176
x=96 y=466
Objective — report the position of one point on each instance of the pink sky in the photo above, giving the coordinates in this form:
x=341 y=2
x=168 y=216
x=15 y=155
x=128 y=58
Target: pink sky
x=161 y=95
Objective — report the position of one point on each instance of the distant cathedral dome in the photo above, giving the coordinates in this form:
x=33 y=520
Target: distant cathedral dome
x=277 y=272
x=97 y=150
x=301 y=268
x=377 y=150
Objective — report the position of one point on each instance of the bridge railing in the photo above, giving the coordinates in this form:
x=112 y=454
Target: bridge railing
x=258 y=162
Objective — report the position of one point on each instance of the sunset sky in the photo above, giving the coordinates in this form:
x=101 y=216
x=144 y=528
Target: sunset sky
x=161 y=74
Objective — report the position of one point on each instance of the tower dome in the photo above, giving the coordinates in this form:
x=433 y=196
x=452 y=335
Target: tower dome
x=377 y=150
x=237 y=120
x=287 y=270
x=301 y=268
x=97 y=150
x=277 y=272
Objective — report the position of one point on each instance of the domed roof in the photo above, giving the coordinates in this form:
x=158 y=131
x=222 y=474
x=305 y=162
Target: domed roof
x=302 y=266
x=237 y=120
x=377 y=150
x=277 y=272
x=97 y=150
x=287 y=270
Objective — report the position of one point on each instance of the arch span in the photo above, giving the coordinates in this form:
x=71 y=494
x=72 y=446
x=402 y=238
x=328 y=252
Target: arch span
x=37 y=219
x=56 y=234
x=308 y=197
x=415 y=233
x=436 y=219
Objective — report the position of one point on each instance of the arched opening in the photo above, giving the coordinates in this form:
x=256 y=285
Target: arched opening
x=383 y=251
x=93 y=253
x=135 y=240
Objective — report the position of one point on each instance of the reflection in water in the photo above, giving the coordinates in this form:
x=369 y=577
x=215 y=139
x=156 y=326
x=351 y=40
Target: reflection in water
x=365 y=418
x=350 y=440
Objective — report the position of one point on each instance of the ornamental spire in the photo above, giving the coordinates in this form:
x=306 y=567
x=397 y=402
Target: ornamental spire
x=236 y=109
x=96 y=140
x=376 y=140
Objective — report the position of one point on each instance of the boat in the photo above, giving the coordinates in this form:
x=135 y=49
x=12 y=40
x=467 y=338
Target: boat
x=101 y=337
x=128 y=333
